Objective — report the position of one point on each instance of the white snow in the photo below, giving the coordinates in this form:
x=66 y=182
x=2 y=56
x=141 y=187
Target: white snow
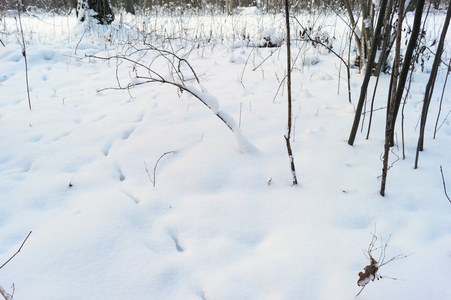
x=250 y=11
x=367 y=23
x=223 y=220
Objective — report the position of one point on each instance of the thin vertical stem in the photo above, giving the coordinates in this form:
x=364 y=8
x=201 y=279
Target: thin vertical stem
x=366 y=79
x=24 y=52
x=289 y=125
x=441 y=99
x=392 y=98
x=430 y=85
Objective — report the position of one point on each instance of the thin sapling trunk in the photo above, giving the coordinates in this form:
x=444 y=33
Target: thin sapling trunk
x=391 y=100
x=431 y=83
x=407 y=62
x=24 y=52
x=289 y=125
x=441 y=98
x=366 y=79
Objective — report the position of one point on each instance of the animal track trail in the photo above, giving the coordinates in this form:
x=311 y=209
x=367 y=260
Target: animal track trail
x=127 y=133
x=140 y=117
x=99 y=117
x=121 y=175
x=106 y=148
x=176 y=241
x=4 y=160
x=134 y=199
x=124 y=136
x=58 y=137
x=35 y=138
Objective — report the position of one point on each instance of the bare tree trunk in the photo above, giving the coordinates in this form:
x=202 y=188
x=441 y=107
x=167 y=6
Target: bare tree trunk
x=441 y=98
x=369 y=67
x=365 y=26
x=129 y=6
x=390 y=106
x=430 y=84
x=407 y=63
x=353 y=24
x=72 y=4
x=103 y=9
x=289 y=125
x=387 y=40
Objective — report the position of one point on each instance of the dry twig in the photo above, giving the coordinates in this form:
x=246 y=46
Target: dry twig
x=371 y=271
x=444 y=185
x=155 y=168
x=20 y=248
x=2 y=290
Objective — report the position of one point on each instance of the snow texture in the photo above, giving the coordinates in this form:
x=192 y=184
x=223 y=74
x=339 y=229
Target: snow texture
x=223 y=220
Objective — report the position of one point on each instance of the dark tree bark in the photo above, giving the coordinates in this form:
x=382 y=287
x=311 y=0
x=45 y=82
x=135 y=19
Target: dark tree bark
x=406 y=65
x=388 y=40
x=430 y=84
x=392 y=95
x=102 y=8
x=72 y=4
x=289 y=125
x=369 y=68
x=441 y=98
x=129 y=6
x=353 y=25
x=364 y=7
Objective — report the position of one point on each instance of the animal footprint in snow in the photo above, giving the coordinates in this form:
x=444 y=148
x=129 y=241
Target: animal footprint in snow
x=306 y=94
x=176 y=241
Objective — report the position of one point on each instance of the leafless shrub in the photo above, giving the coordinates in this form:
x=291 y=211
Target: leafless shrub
x=154 y=65
x=371 y=271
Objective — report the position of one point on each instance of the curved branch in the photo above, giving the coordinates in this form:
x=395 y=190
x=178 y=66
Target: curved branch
x=177 y=80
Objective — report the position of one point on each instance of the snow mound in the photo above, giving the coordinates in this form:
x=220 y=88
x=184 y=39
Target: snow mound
x=249 y=11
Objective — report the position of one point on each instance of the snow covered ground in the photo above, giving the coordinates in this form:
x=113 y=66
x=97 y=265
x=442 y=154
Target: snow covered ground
x=220 y=223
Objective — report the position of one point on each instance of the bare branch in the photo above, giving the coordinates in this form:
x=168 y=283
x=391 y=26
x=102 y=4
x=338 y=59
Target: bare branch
x=155 y=168
x=20 y=248
x=399 y=256
x=307 y=37
x=371 y=271
x=24 y=53
x=360 y=291
x=156 y=164
x=129 y=60
x=267 y=57
x=145 y=70
x=2 y=290
x=5 y=294
x=148 y=174
x=156 y=77
x=444 y=185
